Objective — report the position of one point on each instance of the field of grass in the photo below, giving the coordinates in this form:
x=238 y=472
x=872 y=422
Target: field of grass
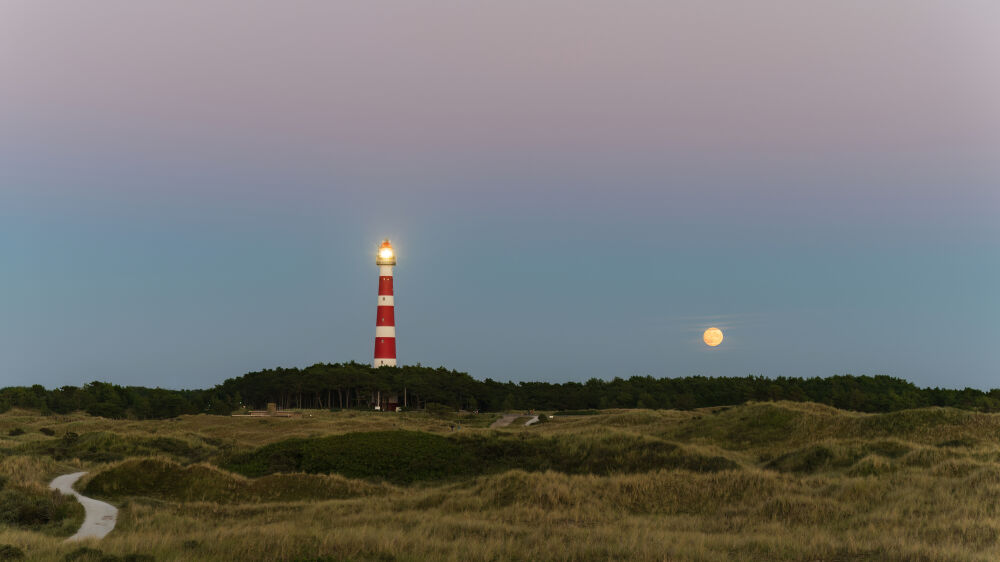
x=765 y=481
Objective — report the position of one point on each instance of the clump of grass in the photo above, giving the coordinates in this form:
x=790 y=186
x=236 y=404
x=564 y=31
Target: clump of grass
x=10 y=552
x=35 y=508
x=871 y=465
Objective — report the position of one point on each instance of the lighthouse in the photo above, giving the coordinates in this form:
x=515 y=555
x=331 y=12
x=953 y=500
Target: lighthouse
x=385 y=320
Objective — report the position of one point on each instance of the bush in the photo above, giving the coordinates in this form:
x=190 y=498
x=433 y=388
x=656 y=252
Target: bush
x=47 y=431
x=106 y=410
x=403 y=457
x=397 y=456
x=32 y=509
x=10 y=552
x=15 y=432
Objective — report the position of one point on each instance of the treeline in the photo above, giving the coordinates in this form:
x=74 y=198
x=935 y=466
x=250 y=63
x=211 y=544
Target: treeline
x=356 y=385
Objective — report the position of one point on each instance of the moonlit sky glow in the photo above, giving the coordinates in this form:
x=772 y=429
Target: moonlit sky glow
x=574 y=189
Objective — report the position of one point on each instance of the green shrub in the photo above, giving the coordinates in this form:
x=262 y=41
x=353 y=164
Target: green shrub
x=47 y=431
x=407 y=456
x=85 y=554
x=15 y=432
x=10 y=552
x=395 y=456
x=35 y=508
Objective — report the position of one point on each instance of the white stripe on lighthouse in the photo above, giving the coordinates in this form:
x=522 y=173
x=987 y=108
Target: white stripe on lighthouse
x=385 y=331
x=385 y=300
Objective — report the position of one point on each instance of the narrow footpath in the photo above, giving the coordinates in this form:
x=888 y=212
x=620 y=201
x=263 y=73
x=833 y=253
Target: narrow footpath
x=505 y=420
x=100 y=517
x=508 y=419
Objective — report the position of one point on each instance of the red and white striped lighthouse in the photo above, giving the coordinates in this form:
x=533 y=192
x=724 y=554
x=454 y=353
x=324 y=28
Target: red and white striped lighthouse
x=385 y=320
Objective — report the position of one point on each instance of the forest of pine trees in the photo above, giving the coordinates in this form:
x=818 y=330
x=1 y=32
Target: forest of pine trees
x=351 y=385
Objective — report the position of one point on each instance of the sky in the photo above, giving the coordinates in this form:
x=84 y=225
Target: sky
x=193 y=190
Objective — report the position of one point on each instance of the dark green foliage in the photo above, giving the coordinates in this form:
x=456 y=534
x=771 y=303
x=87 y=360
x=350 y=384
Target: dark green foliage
x=35 y=509
x=403 y=457
x=168 y=480
x=47 y=431
x=85 y=554
x=577 y=413
x=10 y=552
x=15 y=432
x=353 y=385
x=396 y=456
x=105 y=446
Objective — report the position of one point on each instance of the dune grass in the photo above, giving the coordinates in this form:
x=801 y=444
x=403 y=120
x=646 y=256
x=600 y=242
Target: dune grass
x=791 y=481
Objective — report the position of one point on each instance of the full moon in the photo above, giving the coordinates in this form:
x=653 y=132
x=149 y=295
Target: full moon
x=713 y=337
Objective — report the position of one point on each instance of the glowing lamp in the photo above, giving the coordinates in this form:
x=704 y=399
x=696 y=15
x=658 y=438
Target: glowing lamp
x=385 y=255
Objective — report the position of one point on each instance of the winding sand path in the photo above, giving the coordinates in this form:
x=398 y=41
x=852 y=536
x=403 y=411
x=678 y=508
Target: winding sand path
x=100 y=517
x=507 y=419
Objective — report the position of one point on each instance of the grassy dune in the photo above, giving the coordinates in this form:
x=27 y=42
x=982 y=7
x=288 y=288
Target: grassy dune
x=774 y=481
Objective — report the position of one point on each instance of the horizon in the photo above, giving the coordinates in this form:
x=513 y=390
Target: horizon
x=574 y=189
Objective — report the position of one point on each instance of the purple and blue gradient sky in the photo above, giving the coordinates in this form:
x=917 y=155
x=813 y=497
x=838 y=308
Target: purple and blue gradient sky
x=189 y=191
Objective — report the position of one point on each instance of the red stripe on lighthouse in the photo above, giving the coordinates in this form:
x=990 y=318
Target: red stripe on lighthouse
x=386 y=316
x=385 y=285
x=385 y=348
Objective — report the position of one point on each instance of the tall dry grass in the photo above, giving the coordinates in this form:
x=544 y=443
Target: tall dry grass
x=812 y=483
